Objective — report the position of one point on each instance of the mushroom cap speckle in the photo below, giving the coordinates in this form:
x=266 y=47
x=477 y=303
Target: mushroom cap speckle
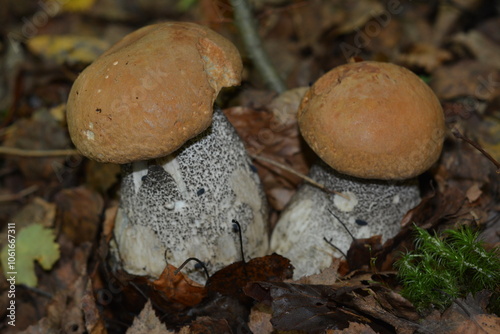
x=151 y=92
x=373 y=120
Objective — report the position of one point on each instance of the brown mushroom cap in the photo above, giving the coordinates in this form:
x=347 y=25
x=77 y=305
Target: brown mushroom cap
x=373 y=120
x=151 y=92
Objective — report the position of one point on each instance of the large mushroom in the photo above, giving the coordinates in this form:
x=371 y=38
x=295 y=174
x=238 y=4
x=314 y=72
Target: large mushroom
x=147 y=103
x=376 y=126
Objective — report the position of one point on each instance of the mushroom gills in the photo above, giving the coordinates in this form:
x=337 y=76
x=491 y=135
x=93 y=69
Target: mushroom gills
x=373 y=207
x=181 y=221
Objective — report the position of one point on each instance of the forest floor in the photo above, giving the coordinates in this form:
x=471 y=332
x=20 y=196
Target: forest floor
x=69 y=288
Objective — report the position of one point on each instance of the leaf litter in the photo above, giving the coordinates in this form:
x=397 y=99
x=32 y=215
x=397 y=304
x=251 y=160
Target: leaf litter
x=457 y=50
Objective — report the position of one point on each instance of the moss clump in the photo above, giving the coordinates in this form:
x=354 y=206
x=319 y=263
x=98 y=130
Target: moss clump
x=441 y=269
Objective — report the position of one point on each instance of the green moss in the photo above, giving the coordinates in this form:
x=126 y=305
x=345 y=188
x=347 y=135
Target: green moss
x=441 y=269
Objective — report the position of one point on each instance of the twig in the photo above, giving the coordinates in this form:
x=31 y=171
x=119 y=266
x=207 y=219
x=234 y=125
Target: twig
x=249 y=33
x=192 y=259
x=37 y=153
x=19 y=195
x=332 y=245
x=302 y=176
x=459 y=135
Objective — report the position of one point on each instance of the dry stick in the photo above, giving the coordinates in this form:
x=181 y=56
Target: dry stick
x=248 y=29
x=458 y=135
x=19 y=195
x=302 y=176
x=37 y=153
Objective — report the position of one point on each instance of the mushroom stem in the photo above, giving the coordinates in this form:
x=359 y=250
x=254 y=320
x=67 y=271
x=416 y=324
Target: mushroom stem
x=375 y=207
x=182 y=205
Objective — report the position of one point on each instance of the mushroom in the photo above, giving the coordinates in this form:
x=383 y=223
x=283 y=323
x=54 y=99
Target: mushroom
x=376 y=126
x=147 y=103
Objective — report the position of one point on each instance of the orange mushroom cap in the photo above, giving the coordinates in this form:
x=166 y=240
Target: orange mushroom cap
x=373 y=120
x=151 y=92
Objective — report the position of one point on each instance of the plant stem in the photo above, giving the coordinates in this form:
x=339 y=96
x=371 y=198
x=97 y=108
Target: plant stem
x=478 y=147
x=302 y=176
x=249 y=32
x=36 y=153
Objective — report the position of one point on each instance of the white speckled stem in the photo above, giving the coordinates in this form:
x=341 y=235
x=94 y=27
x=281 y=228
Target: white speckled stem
x=374 y=208
x=183 y=205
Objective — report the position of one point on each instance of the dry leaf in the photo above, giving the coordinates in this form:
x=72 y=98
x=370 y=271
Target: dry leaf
x=179 y=288
x=328 y=276
x=426 y=56
x=467 y=78
x=260 y=320
x=354 y=328
x=94 y=323
x=79 y=213
x=484 y=49
x=264 y=134
x=147 y=322
x=473 y=192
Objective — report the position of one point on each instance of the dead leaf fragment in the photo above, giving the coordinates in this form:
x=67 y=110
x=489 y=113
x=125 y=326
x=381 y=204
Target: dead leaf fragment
x=147 y=322
x=426 y=56
x=277 y=137
x=467 y=78
x=473 y=193
x=465 y=316
x=179 y=288
x=260 y=320
x=354 y=328
x=41 y=132
x=484 y=49
x=79 y=213
x=230 y=281
x=94 y=323
x=303 y=307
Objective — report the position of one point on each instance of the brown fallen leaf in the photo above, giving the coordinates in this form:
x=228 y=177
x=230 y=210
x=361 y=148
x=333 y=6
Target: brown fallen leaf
x=362 y=251
x=147 y=322
x=230 y=281
x=64 y=312
x=465 y=316
x=359 y=298
x=276 y=137
x=328 y=276
x=303 y=307
x=424 y=55
x=203 y=325
x=260 y=319
x=466 y=78
x=484 y=49
x=354 y=328
x=94 y=322
x=101 y=177
x=225 y=297
x=41 y=132
x=178 y=288
x=473 y=192
x=79 y=213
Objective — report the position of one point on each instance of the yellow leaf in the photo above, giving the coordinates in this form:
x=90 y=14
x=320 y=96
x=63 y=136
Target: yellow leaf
x=75 y=5
x=30 y=244
x=68 y=48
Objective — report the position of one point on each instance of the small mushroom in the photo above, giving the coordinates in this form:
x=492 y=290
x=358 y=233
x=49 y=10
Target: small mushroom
x=147 y=103
x=376 y=126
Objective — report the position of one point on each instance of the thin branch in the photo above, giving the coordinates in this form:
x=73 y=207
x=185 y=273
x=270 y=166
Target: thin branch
x=248 y=29
x=332 y=245
x=302 y=176
x=19 y=195
x=37 y=153
x=459 y=135
x=192 y=259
